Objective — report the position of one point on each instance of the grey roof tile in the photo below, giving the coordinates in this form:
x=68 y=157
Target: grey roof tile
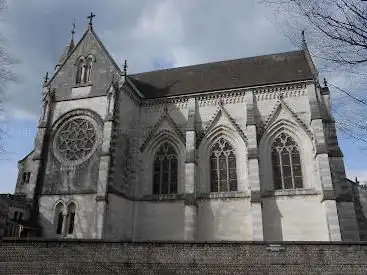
x=244 y=72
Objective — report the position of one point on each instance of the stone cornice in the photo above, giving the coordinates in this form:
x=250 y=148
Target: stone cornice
x=295 y=89
x=285 y=91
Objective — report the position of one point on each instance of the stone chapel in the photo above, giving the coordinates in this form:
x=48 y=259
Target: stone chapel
x=242 y=150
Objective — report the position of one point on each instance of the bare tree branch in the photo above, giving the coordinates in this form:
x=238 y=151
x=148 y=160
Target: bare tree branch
x=6 y=76
x=337 y=39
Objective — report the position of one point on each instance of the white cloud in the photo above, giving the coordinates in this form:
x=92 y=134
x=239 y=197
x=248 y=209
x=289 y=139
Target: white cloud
x=360 y=174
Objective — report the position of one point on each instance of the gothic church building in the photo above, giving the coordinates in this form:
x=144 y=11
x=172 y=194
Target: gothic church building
x=242 y=150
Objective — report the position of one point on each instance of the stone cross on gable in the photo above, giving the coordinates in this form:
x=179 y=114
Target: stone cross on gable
x=90 y=17
x=125 y=67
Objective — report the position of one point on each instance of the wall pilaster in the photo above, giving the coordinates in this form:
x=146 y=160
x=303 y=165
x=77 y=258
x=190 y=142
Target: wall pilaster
x=322 y=162
x=40 y=144
x=253 y=170
x=190 y=174
x=105 y=164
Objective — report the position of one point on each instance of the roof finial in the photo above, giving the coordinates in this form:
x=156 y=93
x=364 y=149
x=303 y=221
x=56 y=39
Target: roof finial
x=73 y=30
x=90 y=17
x=45 y=78
x=125 y=67
x=325 y=82
x=304 y=44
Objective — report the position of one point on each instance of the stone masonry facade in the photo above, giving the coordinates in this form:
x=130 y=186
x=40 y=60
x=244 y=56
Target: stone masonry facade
x=93 y=171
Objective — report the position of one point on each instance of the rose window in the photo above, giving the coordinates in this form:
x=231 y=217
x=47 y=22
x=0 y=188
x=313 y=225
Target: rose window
x=75 y=140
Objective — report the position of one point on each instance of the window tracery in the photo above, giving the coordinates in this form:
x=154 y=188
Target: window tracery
x=223 y=167
x=165 y=170
x=84 y=70
x=286 y=162
x=75 y=141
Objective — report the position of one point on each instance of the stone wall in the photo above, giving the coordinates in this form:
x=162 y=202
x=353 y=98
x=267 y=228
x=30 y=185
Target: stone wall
x=97 y=257
x=294 y=218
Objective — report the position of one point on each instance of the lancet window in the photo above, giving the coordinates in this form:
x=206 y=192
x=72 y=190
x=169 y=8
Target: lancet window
x=80 y=71
x=70 y=218
x=223 y=167
x=286 y=161
x=88 y=70
x=59 y=218
x=165 y=170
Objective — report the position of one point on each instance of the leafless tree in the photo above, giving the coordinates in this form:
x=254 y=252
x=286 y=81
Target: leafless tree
x=336 y=35
x=6 y=75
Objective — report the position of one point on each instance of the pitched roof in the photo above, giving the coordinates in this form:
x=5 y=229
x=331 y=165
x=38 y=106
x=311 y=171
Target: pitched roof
x=244 y=72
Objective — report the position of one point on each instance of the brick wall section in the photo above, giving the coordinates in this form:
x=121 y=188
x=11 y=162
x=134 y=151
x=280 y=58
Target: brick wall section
x=98 y=257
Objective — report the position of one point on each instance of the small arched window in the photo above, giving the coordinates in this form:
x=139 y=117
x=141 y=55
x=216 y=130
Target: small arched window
x=80 y=72
x=59 y=218
x=286 y=161
x=165 y=170
x=88 y=70
x=70 y=218
x=223 y=176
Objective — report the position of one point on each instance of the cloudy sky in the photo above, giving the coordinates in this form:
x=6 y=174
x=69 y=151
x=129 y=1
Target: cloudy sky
x=150 y=34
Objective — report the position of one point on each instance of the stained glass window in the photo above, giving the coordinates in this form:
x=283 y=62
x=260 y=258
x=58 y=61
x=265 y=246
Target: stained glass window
x=286 y=162
x=165 y=170
x=223 y=176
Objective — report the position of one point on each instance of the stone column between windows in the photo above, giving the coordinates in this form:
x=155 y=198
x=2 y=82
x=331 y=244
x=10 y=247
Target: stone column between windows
x=190 y=214
x=103 y=177
x=253 y=170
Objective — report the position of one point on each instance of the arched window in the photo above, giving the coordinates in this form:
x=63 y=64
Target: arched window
x=223 y=167
x=287 y=172
x=70 y=218
x=59 y=218
x=88 y=70
x=80 y=72
x=165 y=170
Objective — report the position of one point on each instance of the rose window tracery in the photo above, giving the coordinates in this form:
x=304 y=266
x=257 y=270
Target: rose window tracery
x=75 y=141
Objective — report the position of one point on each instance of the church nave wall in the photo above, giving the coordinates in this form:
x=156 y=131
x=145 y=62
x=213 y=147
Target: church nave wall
x=294 y=218
x=224 y=219
x=119 y=218
x=159 y=220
